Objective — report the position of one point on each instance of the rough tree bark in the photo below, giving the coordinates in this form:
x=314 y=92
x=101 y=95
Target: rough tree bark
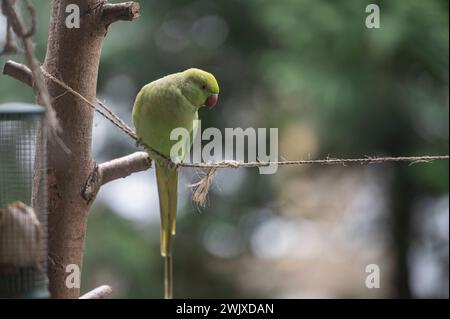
x=73 y=56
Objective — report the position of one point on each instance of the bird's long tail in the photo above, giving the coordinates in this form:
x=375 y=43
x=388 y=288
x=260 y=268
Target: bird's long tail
x=167 y=180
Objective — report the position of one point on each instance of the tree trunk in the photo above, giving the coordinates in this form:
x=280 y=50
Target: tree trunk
x=73 y=56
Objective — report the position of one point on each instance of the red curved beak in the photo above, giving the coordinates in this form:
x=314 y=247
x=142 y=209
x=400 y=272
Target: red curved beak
x=212 y=100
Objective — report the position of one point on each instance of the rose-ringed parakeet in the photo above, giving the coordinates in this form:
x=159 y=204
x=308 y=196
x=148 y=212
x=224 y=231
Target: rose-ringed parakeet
x=161 y=106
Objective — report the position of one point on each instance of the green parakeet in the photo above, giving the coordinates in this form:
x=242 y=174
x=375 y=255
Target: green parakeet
x=161 y=106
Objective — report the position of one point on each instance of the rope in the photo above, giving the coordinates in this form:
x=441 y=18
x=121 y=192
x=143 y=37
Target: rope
x=202 y=187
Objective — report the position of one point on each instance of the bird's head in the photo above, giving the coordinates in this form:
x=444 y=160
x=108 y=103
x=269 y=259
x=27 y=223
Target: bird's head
x=200 y=88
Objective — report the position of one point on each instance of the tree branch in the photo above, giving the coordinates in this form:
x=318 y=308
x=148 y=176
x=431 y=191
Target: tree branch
x=98 y=293
x=124 y=166
x=19 y=72
x=126 y=11
x=114 y=169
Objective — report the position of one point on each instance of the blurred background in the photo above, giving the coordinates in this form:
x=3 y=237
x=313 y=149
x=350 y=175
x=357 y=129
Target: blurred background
x=333 y=88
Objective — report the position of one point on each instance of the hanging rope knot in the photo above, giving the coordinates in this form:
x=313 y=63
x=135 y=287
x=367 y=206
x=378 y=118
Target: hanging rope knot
x=202 y=187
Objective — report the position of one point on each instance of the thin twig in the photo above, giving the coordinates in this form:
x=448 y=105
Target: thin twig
x=41 y=91
x=98 y=293
x=33 y=23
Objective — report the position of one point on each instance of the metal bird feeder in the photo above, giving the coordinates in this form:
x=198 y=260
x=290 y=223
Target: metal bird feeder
x=23 y=202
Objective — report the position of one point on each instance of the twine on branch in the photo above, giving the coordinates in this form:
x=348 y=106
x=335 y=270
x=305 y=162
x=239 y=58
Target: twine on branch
x=101 y=108
x=328 y=161
x=107 y=113
x=202 y=187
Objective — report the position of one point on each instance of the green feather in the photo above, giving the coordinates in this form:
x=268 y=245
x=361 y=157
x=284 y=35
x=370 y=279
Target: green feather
x=167 y=180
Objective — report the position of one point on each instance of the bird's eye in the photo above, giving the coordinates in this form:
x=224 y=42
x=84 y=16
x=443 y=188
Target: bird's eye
x=204 y=87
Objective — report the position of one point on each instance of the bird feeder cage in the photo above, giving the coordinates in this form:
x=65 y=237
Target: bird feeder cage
x=23 y=198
